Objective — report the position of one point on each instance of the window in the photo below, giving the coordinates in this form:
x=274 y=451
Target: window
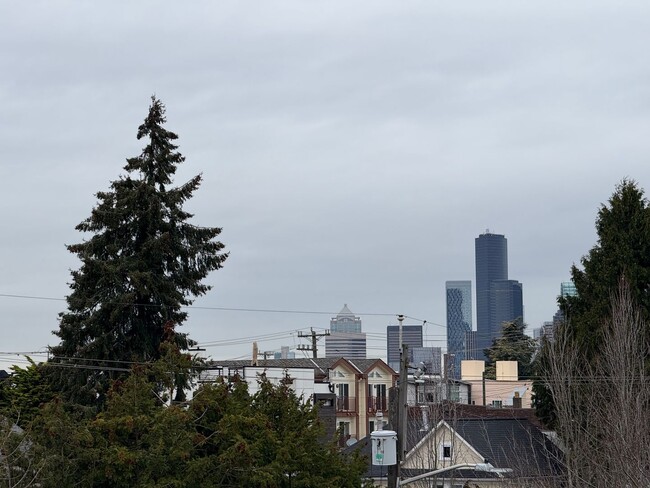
x=497 y=403
x=445 y=451
x=380 y=393
x=342 y=397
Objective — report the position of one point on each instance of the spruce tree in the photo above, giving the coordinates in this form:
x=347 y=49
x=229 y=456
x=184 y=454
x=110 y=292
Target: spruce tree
x=143 y=263
x=622 y=250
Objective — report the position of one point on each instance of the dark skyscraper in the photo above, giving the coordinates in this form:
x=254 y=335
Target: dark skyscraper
x=411 y=335
x=497 y=298
x=459 y=322
x=506 y=303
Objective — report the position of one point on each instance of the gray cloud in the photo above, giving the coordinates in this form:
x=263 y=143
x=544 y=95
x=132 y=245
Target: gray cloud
x=351 y=152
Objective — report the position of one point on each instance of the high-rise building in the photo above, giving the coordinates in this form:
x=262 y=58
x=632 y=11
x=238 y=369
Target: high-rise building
x=498 y=299
x=459 y=323
x=506 y=303
x=345 y=339
x=411 y=336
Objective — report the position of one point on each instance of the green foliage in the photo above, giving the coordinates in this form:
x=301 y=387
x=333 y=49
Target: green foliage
x=225 y=437
x=267 y=440
x=622 y=250
x=23 y=392
x=143 y=262
x=542 y=399
x=512 y=345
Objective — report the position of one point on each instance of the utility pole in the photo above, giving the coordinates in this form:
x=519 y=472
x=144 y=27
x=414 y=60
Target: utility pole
x=314 y=337
x=393 y=417
x=398 y=416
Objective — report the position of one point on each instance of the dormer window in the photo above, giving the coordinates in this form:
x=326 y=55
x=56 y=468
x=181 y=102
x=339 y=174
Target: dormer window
x=445 y=452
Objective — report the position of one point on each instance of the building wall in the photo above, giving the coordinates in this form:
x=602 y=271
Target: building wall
x=347 y=345
x=358 y=409
x=499 y=392
x=429 y=454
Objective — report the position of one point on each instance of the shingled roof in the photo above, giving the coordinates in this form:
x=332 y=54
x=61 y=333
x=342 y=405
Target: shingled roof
x=506 y=438
x=511 y=443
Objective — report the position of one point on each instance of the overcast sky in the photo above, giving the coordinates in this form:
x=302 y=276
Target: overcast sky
x=351 y=151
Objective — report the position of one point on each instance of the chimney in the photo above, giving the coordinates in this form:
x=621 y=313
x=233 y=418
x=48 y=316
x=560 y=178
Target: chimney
x=516 y=400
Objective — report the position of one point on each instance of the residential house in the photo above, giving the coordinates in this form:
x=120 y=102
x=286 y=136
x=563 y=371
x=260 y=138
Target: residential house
x=518 y=451
x=360 y=386
x=446 y=434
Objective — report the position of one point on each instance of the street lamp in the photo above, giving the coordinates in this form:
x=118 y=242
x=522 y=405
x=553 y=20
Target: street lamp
x=476 y=466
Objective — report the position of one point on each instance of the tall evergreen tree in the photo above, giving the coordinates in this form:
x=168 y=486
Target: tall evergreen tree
x=622 y=250
x=143 y=263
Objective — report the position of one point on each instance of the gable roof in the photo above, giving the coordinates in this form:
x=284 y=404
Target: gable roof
x=509 y=443
x=507 y=438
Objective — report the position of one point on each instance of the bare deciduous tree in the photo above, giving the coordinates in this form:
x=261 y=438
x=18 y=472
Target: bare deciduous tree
x=602 y=406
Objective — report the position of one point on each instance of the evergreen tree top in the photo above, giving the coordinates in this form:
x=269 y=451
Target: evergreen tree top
x=143 y=263
x=159 y=158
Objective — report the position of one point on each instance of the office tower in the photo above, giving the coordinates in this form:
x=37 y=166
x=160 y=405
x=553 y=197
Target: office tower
x=411 y=335
x=459 y=322
x=345 y=339
x=506 y=303
x=345 y=321
x=430 y=356
x=498 y=299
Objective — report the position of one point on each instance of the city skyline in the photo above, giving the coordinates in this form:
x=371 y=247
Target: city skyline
x=350 y=153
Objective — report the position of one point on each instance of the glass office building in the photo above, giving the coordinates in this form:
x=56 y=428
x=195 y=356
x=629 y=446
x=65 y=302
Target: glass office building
x=459 y=323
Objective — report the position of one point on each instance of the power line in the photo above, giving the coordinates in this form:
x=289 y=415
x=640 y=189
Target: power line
x=200 y=307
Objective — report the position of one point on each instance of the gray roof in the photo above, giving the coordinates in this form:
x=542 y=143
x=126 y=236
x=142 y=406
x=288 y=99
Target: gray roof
x=507 y=438
x=510 y=443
